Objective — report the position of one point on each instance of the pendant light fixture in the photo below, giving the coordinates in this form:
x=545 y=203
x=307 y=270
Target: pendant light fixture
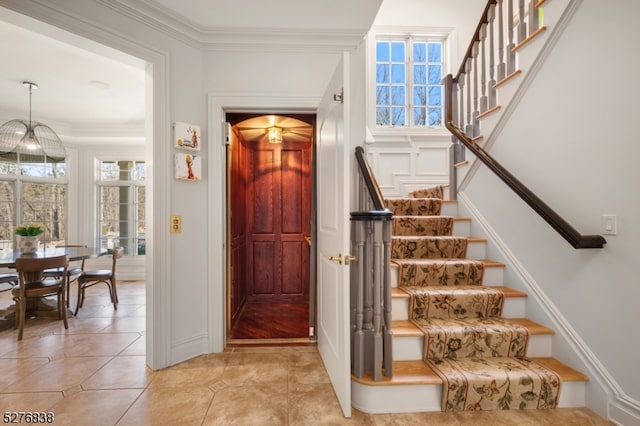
x=30 y=141
x=275 y=134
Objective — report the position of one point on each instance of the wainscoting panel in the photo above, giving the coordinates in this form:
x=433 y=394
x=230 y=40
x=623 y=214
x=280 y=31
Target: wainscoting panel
x=409 y=162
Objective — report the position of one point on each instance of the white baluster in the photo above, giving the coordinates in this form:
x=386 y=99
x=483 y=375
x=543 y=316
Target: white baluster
x=502 y=65
x=522 y=22
x=492 y=53
x=484 y=100
x=511 y=54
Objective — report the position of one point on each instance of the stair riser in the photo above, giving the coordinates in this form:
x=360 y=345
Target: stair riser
x=427 y=398
x=493 y=275
x=410 y=348
x=461 y=228
x=513 y=308
x=476 y=250
x=449 y=208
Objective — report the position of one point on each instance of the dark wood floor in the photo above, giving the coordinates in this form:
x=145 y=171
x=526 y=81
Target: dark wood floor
x=272 y=321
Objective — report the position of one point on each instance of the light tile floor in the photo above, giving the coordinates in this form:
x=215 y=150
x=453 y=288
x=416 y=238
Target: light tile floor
x=95 y=373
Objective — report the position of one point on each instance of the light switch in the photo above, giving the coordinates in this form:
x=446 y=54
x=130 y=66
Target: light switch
x=609 y=224
x=176 y=224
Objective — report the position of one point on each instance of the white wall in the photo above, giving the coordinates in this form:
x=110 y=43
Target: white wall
x=573 y=140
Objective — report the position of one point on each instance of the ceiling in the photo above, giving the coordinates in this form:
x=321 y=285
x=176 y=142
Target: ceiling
x=253 y=127
x=83 y=84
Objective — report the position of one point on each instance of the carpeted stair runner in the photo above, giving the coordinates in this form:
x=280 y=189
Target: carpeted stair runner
x=496 y=384
x=479 y=355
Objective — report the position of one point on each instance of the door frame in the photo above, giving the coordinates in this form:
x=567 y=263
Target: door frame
x=218 y=105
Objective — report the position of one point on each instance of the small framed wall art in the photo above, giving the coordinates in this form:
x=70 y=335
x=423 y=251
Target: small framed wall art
x=186 y=136
x=188 y=167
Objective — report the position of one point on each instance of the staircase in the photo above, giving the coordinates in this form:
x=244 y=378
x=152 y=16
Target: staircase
x=415 y=386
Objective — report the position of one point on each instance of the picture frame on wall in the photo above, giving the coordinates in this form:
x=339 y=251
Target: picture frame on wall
x=186 y=136
x=188 y=167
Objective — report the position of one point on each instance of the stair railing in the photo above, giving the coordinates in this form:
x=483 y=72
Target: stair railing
x=370 y=278
x=470 y=94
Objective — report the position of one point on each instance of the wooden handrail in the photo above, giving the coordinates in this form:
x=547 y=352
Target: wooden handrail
x=370 y=180
x=574 y=238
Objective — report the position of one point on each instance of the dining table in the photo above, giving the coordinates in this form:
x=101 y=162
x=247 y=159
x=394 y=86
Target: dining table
x=40 y=308
x=8 y=257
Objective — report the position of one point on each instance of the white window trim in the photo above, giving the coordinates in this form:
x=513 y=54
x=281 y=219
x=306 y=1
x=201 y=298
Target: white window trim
x=389 y=134
x=108 y=183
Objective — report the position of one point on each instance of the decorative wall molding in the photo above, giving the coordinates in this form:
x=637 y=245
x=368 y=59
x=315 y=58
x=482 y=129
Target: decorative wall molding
x=409 y=161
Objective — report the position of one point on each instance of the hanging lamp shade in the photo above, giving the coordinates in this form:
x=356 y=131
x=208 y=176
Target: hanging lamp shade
x=30 y=141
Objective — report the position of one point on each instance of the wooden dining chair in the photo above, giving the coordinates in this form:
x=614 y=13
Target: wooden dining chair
x=32 y=284
x=107 y=276
x=73 y=272
x=8 y=281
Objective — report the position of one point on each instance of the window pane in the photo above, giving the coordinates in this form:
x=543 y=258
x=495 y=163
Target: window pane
x=398 y=96
x=397 y=51
x=419 y=52
x=382 y=73
x=46 y=204
x=382 y=95
x=398 y=116
x=398 y=73
x=109 y=170
x=419 y=118
x=141 y=227
x=383 y=116
x=435 y=52
x=419 y=96
x=8 y=168
x=435 y=95
x=7 y=214
x=420 y=74
x=33 y=169
x=435 y=116
x=435 y=74
x=139 y=171
x=382 y=51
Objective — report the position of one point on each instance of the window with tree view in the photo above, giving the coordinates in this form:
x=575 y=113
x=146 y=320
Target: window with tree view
x=32 y=190
x=121 y=198
x=408 y=82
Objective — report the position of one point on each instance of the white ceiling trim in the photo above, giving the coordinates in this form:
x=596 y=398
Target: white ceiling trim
x=164 y=20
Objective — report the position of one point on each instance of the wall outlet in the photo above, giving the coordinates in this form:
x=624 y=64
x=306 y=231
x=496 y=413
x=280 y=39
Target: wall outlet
x=609 y=224
x=176 y=224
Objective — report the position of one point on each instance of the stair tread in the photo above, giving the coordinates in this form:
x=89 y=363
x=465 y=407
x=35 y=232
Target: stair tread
x=398 y=293
x=416 y=372
x=488 y=263
x=405 y=328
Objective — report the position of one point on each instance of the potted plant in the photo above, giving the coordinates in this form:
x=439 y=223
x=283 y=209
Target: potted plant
x=28 y=237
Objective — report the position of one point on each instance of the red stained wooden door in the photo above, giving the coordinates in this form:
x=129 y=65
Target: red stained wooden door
x=278 y=220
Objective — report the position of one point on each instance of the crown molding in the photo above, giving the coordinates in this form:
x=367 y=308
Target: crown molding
x=156 y=18
x=164 y=20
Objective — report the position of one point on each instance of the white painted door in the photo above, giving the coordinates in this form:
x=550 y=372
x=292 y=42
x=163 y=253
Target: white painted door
x=333 y=234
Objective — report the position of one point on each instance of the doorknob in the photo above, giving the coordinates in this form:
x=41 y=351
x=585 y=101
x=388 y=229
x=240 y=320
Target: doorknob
x=308 y=238
x=346 y=259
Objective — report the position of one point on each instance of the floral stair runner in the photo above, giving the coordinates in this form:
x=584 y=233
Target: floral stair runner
x=479 y=355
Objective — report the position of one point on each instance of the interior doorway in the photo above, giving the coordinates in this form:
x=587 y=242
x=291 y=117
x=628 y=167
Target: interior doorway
x=270 y=222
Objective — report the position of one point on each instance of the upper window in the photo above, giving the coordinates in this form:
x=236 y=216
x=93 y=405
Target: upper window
x=408 y=82
x=33 y=190
x=121 y=205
